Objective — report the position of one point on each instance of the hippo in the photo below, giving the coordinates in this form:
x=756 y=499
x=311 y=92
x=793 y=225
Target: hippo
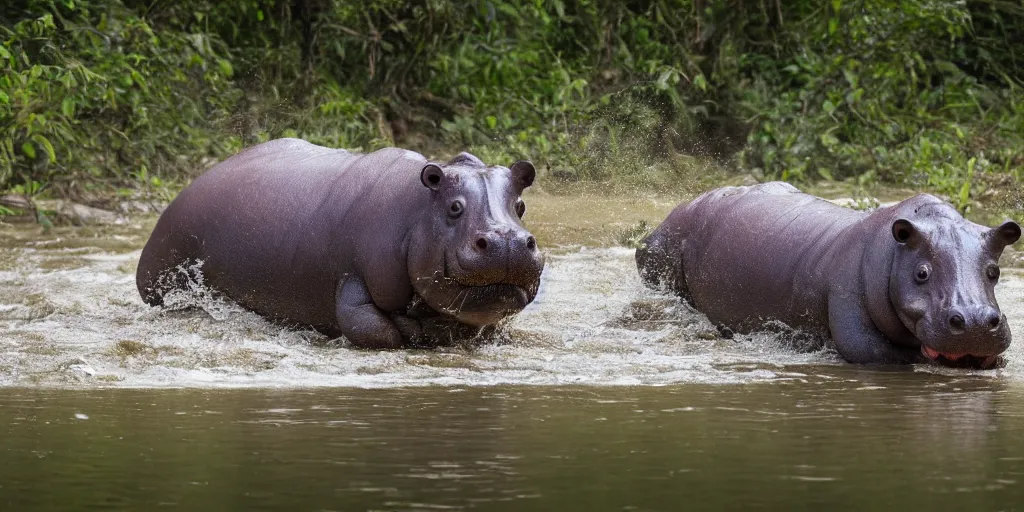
x=908 y=283
x=365 y=246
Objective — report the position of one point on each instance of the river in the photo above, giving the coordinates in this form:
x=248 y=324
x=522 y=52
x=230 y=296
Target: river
x=602 y=395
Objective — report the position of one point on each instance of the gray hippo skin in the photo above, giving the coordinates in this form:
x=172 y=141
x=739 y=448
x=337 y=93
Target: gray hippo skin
x=360 y=245
x=907 y=283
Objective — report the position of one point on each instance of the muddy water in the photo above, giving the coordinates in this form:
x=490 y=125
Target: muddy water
x=636 y=404
x=862 y=440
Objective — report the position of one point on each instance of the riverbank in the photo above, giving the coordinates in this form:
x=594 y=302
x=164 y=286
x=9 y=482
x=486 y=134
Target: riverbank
x=589 y=213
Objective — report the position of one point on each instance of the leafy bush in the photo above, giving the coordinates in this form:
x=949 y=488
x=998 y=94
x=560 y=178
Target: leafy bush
x=110 y=93
x=906 y=91
x=91 y=95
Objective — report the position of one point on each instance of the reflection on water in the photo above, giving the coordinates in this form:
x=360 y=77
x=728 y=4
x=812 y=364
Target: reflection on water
x=865 y=440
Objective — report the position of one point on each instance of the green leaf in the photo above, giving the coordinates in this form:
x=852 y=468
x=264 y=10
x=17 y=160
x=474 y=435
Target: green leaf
x=492 y=122
x=700 y=82
x=4 y=54
x=67 y=107
x=225 y=67
x=833 y=25
x=560 y=8
x=947 y=67
x=828 y=107
x=43 y=220
x=828 y=140
x=28 y=150
x=965 y=193
x=45 y=143
x=139 y=80
x=662 y=81
x=4 y=99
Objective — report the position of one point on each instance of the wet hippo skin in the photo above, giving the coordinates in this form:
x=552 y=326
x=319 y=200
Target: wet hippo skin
x=360 y=245
x=907 y=283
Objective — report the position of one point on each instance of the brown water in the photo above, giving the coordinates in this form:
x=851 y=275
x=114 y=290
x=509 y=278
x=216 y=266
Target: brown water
x=837 y=437
x=602 y=395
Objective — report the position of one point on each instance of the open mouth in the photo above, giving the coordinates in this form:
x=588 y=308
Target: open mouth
x=513 y=297
x=497 y=289
x=962 y=360
x=480 y=303
x=487 y=304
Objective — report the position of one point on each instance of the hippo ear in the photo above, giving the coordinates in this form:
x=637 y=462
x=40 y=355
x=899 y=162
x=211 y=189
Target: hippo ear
x=523 y=173
x=432 y=176
x=1005 y=234
x=905 y=232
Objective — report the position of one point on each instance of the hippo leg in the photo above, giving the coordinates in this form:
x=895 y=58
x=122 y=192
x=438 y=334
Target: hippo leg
x=410 y=328
x=361 y=321
x=858 y=340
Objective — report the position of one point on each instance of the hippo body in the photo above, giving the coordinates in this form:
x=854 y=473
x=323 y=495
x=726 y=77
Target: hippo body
x=903 y=284
x=351 y=244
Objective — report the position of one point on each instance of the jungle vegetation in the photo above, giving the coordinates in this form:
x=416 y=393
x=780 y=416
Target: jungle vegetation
x=107 y=97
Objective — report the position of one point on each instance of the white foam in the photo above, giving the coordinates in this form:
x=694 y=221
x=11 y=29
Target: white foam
x=578 y=331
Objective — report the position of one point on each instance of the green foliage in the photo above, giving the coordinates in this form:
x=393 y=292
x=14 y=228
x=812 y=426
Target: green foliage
x=90 y=94
x=115 y=93
x=903 y=91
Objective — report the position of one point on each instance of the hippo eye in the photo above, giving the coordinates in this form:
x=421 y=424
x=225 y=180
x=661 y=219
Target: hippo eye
x=520 y=208
x=923 y=273
x=456 y=209
x=992 y=272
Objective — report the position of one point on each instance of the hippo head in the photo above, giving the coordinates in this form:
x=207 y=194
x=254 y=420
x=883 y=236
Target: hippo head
x=943 y=281
x=472 y=258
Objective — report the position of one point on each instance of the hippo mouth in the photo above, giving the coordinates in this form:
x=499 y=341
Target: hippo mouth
x=962 y=360
x=487 y=304
x=474 y=299
x=498 y=288
x=514 y=295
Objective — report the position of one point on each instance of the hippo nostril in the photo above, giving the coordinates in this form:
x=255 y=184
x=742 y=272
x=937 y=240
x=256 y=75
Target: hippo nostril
x=531 y=243
x=481 y=243
x=994 y=321
x=957 y=321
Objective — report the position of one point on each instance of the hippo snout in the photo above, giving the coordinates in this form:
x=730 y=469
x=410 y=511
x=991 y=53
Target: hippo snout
x=975 y=319
x=966 y=333
x=509 y=256
x=496 y=243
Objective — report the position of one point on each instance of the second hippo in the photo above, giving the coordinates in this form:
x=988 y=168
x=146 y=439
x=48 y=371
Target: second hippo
x=906 y=283
x=360 y=245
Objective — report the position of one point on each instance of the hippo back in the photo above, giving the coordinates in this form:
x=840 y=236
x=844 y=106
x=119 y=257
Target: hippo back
x=745 y=255
x=293 y=216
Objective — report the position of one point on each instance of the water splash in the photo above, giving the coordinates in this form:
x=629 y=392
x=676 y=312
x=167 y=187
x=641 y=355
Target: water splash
x=71 y=306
